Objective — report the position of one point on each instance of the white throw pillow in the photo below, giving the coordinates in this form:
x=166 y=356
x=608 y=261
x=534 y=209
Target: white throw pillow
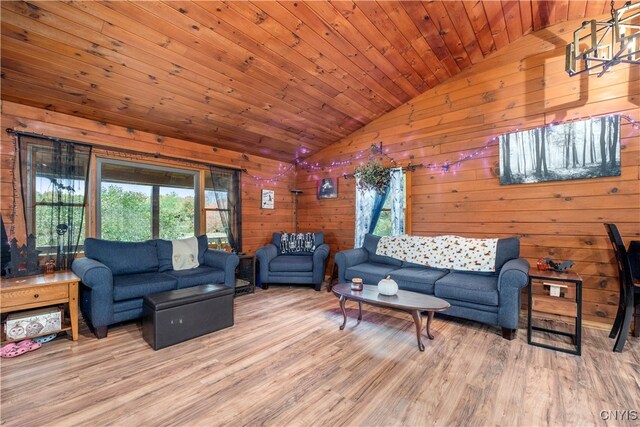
x=185 y=253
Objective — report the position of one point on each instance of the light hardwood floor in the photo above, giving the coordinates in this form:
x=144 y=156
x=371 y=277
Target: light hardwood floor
x=286 y=363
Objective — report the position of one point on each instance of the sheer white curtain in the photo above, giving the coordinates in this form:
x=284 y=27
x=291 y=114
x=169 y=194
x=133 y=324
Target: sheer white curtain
x=398 y=201
x=364 y=209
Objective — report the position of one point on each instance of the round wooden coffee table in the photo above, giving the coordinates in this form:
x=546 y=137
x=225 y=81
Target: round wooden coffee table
x=410 y=302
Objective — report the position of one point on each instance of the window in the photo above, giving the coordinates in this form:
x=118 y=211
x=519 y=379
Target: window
x=45 y=216
x=381 y=214
x=222 y=208
x=53 y=174
x=216 y=235
x=140 y=202
x=394 y=208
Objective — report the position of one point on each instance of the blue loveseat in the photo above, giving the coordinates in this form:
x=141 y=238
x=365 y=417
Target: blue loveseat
x=299 y=268
x=492 y=298
x=116 y=276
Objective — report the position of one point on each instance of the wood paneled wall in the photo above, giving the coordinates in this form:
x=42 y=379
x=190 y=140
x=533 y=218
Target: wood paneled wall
x=523 y=86
x=258 y=224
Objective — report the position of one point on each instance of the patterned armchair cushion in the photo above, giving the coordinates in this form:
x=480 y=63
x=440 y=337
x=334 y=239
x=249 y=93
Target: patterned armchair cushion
x=313 y=240
x=292 y=243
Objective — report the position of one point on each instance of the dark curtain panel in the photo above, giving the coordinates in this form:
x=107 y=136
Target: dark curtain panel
x=4 y=248
x=53 y=175
x=226 y=190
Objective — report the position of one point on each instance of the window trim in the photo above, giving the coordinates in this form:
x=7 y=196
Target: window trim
x=98 y=189
x=407 y=198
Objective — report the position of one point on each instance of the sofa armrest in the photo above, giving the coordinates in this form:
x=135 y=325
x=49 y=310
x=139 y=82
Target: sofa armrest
x=98 y=277
x=320 y=256
x=264 y=256
x=514 y=273
x=92 y=273
x=514 y=276
x=348 y=258
x=227 y=261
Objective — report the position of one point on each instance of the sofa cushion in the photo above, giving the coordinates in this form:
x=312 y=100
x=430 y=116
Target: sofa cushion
x=123 y=257
x=417 y=279
x=371 y=273
x=165 y=255
x=138 y=285
x=203 y=275
x=292 y=263
x=506 y=249
x=203 y=245
x=371 y=244
x=470 y=287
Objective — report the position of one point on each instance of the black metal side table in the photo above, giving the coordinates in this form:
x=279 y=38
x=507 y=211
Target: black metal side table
x=556 y=294
x=246 y=275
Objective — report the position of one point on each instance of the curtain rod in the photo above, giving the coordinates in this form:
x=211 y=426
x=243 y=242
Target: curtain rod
x=123 y=150
x=408 y=168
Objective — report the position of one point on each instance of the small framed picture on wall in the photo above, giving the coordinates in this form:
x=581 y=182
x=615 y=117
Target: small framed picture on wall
x=327 y=188
x=268 y=197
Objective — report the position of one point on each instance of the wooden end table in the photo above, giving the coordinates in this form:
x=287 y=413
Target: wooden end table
x=22 y=293
x=568 y=303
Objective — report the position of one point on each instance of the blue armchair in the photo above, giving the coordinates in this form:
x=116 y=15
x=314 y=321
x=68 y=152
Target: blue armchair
x=279 y=262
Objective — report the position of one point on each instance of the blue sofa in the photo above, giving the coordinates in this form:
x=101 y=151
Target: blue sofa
x=492 y=298
x=116 y=276
x=298 y=268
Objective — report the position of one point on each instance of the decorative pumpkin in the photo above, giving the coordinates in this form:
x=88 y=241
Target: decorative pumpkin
x=387 y=286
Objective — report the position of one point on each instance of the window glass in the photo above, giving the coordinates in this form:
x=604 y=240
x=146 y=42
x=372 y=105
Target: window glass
x=384 y=226
x=141 y=202
x=216 y=234
x=176 y=212
x=125 y=212
x=56 y=203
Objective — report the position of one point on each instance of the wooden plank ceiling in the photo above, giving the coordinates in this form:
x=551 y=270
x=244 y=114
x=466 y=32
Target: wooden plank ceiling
x=277 y=79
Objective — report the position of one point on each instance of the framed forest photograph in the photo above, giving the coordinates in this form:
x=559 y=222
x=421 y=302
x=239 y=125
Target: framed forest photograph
x=577 y=150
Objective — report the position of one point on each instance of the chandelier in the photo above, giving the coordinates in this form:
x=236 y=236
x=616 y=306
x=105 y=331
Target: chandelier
x=598 y=46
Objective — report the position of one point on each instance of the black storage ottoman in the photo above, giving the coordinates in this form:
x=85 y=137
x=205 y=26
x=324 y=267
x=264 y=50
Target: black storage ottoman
x=175 y=316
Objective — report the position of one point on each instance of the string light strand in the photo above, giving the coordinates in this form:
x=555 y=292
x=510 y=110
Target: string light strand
x=443 y=167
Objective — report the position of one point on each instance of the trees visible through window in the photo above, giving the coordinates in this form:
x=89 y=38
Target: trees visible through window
x=53 y=174
x=394 y=208
x=140 y=202
x=222 y=208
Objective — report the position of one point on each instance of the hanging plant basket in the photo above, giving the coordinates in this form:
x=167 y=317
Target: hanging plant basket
x=373 y=176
